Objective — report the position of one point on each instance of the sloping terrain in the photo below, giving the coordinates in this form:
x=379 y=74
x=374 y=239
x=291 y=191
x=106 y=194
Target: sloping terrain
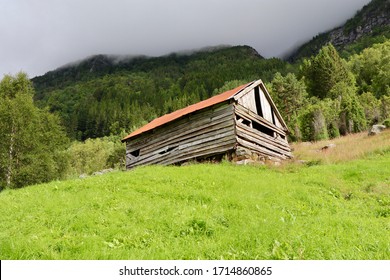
x=207 y=211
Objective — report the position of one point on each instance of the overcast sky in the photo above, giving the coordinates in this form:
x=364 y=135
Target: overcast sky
x=37 y=36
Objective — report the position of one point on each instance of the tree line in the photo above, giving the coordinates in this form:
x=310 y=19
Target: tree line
x=330 y=96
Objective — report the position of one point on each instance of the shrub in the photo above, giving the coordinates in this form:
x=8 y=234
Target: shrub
x=96 y=154
x=313 y=124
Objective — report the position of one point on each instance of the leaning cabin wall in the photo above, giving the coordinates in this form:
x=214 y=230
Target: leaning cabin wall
x=258 y=127
x=203 y=133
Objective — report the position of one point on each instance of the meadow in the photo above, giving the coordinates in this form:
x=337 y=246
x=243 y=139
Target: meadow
x=326 y=208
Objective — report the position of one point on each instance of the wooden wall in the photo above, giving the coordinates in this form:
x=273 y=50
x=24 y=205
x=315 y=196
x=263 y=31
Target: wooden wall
x=262 y=108
x=268 y=113
x=259 y=135
x=258 y=126
x=204 y=133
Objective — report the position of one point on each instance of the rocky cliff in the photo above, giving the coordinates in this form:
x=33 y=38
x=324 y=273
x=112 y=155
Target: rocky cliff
x=373 y=20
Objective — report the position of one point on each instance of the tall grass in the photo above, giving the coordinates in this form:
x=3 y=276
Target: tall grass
x=205 y=211
x=347 y=148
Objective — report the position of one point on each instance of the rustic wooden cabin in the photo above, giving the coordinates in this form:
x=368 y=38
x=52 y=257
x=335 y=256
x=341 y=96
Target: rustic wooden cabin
x=242 y=119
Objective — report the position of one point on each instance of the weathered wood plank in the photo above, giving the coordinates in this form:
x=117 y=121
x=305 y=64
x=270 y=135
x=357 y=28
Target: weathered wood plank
x=208 y=139
x=265 y=106
x=254 y=130
x=262 y=88
x=202 y=118
x=183 y=147
x=225 y=144
x=259 y=149
x=203 y=150
x=201 y=153
x=248 y=101
x=245 y=113
x=201 y=114
x=261 y=142
x=193 y=130
x=261 y=137
x=220 y=129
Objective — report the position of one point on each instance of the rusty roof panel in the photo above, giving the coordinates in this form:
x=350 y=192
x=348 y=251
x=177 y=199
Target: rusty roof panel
x=185 y=111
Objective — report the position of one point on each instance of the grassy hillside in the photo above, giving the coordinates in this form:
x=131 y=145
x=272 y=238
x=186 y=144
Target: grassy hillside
x=205 y=211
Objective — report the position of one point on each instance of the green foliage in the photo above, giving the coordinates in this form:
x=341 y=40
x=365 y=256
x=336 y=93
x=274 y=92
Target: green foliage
x=351 y=114
x=328 y=79
x=32 y=139
x=386 y=123
x=95 y=154
x=313 y=124
x=205 y=211
x=289 y=95
x=331 y=111
x=385 y=106
x=379 y=35
x=372 y=69
x=324 y=71
x=371 y=107
x=230 y=85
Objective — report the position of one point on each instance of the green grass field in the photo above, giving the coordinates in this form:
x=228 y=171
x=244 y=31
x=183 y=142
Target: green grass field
x=205 y=211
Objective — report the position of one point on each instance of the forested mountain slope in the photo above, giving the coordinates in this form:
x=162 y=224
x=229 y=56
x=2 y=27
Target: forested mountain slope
x=104 y=94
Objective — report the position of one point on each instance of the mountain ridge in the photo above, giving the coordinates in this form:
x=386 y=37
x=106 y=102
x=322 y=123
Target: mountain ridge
x=373 y=20
x=102 y=64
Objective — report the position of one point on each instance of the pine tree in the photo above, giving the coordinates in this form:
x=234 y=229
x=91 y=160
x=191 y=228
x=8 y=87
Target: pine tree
x=351 y=115
x=324 y=71
x=313 y=124
x=289 y=94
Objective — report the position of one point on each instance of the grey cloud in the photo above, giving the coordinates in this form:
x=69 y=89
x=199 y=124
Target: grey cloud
x=40 y=35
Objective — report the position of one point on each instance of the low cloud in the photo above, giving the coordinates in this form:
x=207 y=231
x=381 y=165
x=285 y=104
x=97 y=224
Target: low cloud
x=38 y=36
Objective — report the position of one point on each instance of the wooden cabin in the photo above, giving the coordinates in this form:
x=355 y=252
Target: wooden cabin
x=242 y=120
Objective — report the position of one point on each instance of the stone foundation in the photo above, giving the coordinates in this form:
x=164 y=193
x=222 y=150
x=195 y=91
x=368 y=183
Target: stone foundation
x=245 y=156
x=240 y=155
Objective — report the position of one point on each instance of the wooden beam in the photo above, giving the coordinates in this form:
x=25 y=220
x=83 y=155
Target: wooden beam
x=263 y=143
x=203 y=118
x=259 y=149
x=245 y=113
x=212 y=144
x=193 y=130
x=261 y=137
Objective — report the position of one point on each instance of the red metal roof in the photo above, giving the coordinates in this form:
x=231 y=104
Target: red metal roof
x=187 y=110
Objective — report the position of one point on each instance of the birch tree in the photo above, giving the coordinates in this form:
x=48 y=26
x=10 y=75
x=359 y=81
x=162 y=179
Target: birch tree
x=30 y=137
